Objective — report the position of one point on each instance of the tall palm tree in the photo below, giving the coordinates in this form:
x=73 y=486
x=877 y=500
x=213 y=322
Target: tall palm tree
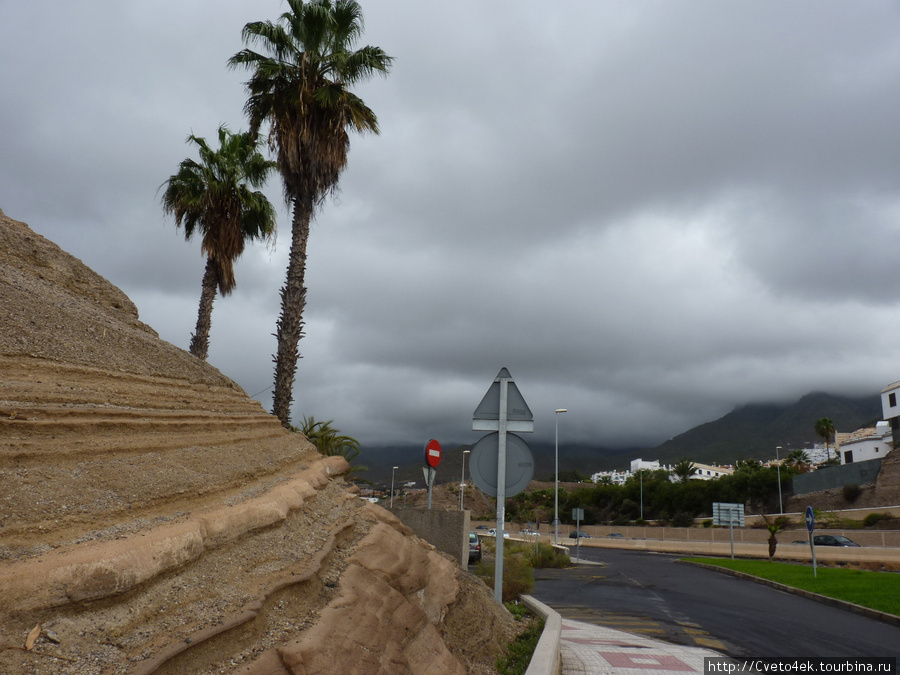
x=214 y=197
x=300 y=84
x=825 y=430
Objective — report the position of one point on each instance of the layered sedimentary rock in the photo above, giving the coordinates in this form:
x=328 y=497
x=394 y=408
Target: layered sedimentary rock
x=154 y=518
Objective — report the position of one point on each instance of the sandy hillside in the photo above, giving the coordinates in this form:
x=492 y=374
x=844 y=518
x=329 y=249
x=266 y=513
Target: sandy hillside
x=154 y=518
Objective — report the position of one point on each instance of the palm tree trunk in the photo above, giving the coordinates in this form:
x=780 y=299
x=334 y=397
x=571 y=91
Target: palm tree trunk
x=290 y=323
x=200 y=337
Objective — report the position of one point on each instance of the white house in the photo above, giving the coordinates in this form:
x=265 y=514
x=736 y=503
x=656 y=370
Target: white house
x=871 y=443
x=615 y=477
x=890 y=408
x=708 y=472
x=641 y=465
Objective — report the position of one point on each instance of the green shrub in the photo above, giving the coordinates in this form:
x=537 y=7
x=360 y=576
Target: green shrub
x=518 y=574
x=545 y=556
x=851 y=492
x=682 y=519
x=874 y=518
x=517 y=655
x=707 y=523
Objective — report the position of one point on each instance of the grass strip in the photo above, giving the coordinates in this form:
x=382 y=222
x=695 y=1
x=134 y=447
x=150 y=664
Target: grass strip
x=876 y=590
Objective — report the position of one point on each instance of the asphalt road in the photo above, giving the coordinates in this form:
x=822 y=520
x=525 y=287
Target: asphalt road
x=651 y=594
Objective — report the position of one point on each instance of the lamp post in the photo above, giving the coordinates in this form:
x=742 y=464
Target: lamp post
x=392 y=486
x=556 y=478
x=778 y=471
x=462 y=481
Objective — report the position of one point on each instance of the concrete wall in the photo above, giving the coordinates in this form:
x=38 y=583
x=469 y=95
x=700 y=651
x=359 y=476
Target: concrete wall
x=837 y=476
x=447 y=531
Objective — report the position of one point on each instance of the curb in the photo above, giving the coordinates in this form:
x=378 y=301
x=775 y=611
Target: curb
x=892 y=619
x=546 y=657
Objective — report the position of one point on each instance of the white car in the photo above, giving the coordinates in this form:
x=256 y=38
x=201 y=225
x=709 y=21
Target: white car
x=493 y=533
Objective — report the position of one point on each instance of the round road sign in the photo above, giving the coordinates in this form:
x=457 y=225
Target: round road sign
x=432 y=453
x=519 y=464
x=810 y=519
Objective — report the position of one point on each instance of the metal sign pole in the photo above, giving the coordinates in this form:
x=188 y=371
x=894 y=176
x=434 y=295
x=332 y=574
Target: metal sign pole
x=731 y=530
x=501 y=491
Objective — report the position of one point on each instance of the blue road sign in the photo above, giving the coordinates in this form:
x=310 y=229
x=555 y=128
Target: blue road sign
x=810 y=519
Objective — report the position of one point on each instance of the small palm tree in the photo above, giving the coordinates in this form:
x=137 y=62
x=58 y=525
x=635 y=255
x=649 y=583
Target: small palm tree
x=329 y=441
x=214 y=197
x=825 y=430
x=683 y=470
x=300 y=84
x=774 y=527
x=798 y=459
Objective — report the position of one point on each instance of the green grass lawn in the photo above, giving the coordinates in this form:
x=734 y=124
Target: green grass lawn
x=877 y=590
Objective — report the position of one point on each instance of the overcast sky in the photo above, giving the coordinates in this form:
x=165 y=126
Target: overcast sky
x=649 y=212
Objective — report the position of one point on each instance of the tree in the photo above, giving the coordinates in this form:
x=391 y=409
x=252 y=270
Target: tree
x=799 y=460
x=774 y=527
x=329 y=441
x=300 y=84
x=683 y=470
x=824 y=428
x=214 y=197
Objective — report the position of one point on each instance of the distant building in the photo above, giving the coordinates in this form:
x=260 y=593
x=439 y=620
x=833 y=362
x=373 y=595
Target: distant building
x=890 y=408
x=641 y=465
x=709 y=472
x=862 y=444
x=615 y=477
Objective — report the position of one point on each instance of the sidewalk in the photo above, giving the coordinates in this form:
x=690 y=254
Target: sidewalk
x=588 y=649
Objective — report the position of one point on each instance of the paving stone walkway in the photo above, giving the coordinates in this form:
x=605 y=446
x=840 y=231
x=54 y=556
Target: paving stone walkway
x=596 y=650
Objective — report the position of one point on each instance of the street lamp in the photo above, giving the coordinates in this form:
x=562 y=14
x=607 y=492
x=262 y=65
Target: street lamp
x=778 y=470
x=556 y=478
x=392 y=486
x=462 y=481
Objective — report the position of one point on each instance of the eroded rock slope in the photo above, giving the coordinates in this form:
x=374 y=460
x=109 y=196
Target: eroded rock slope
x=154 y=518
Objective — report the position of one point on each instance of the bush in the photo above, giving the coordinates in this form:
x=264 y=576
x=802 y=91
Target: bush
x=518 y=574
x=545 y=556
x=682 y=519
x=874 y=518
x=518 y=653
x=851 y=492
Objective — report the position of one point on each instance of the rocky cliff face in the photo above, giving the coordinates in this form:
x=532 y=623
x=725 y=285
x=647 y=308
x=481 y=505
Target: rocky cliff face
x=154 y=518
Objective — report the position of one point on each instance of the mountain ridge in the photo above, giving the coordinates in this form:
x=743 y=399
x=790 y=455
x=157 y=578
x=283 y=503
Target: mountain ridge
x=750 y=431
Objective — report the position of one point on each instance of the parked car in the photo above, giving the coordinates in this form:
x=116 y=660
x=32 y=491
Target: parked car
x=493 y=533
x=474 y=547
x=481 y=527
x=579 y=534
x=832 y=540
x=615 y=535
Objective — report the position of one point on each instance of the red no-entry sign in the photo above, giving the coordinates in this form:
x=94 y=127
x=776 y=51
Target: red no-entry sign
x=432 y=453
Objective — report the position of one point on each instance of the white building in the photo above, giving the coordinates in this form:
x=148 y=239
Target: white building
x=641 y=465
x=890 y=408
x=708 y=471
x=863 y=444
x=615 y=477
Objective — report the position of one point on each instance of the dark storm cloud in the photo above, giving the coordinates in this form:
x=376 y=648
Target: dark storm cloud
x=650 y=212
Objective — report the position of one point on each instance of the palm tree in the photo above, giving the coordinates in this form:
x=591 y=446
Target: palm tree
x=825 y=430
x=329 y=441
x=798 y=459
x=214 y=197
x=683 y=470
x=300 y=84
